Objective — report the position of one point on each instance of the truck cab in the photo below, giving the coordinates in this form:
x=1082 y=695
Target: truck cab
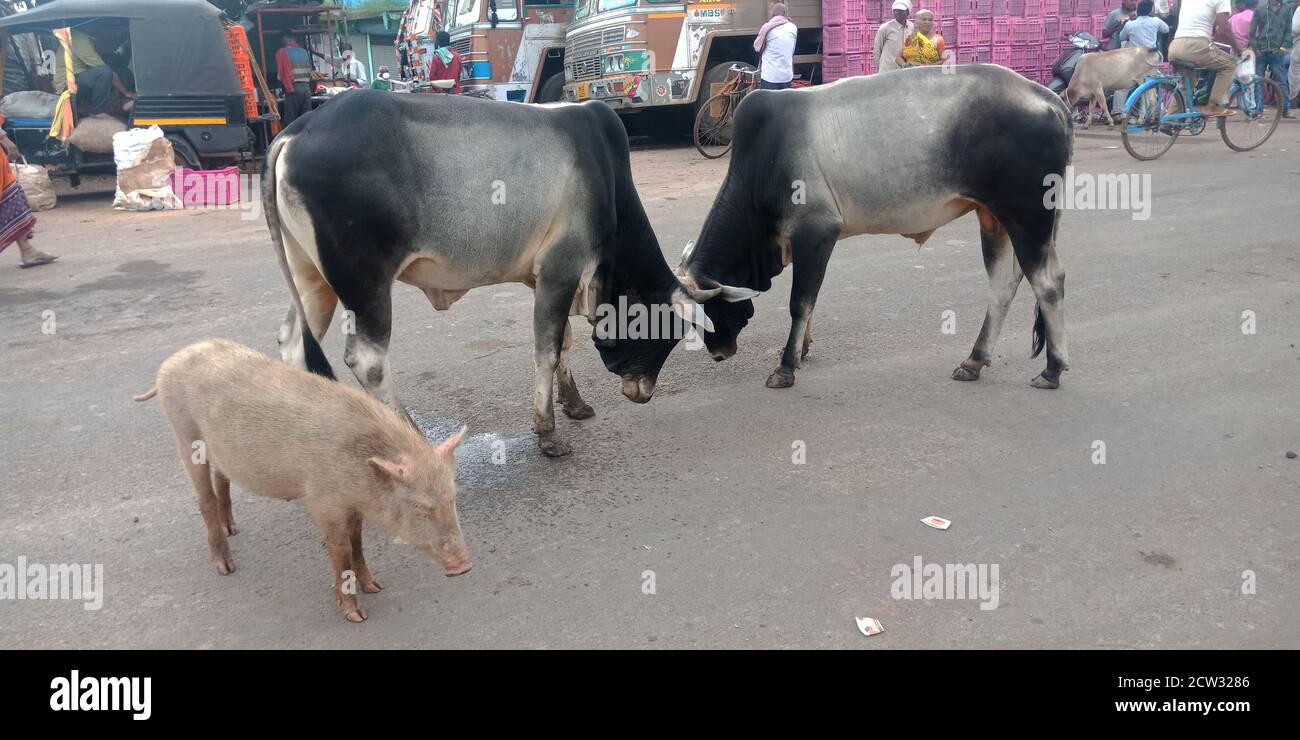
x=636 y=54
x=510 y=49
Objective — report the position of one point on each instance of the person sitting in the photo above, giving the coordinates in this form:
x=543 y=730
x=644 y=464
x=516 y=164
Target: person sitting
x=99 y=90
x=1200 y=23
x=925 y=46
x=1144 y=30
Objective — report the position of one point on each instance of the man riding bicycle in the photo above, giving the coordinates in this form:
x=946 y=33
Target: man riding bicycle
x=1200 y=23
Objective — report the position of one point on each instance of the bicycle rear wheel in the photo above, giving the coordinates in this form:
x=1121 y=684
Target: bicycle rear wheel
x=713 y=126
x=1146 y=128
x=1253 y=123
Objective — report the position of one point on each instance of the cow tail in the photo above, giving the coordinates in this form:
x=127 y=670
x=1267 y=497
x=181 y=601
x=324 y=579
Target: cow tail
x=1040 y=331
x=153 y=391
x=312 y=352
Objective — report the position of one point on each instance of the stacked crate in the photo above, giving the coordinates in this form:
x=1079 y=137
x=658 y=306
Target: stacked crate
x=1025 y=35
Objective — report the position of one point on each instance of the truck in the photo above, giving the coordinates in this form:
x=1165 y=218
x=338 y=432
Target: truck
x=510 y=49
x=645 y=54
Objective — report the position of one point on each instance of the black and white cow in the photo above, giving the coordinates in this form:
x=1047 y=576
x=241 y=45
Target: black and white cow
x=448 y=193
x=902 y=153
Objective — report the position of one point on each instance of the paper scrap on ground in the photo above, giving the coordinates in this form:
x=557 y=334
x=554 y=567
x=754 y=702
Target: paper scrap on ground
x=937 y=522
x=869 y=626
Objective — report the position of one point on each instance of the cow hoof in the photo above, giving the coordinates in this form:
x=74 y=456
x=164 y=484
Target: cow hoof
x=371 y=586
x=780 y=380
x=225 y=566
x=804 y=354
x=966 y=373
x=582 y=411
x=230 y=530
x=356 y=615
x=553 y=446
x=1043 y=382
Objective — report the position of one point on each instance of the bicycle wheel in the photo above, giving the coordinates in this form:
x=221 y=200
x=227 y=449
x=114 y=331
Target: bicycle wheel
x=1147 y=127
x=713 y=126
x=1253 y=123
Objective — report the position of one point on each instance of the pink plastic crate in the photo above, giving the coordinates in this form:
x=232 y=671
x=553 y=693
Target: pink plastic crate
x=1000 y=8
x=1002 y=55
x=972 y=54
x=855 y=38
x=1016 y=7
x=981 y=8
x=968 y=32
x=198 y=188
x=833 y=12
x=1002 y=30
x=1027 y=31
x=1024 y=58
x=856 y=64
x=1049 y=8
x=1051 y=30
x=1098 y=23
x=948 y=30
x=833 y=40
x=855 y=11
x=949 y=8
x=875 y=11
x=1079 y=23
x=834 y=66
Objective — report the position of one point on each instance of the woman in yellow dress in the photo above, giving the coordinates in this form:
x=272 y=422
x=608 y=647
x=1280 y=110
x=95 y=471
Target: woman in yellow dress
x=925 y=46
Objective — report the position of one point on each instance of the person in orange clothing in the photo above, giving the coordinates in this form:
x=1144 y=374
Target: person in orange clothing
x=17 y=222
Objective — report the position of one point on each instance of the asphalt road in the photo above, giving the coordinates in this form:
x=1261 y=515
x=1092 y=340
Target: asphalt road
x=747 y=549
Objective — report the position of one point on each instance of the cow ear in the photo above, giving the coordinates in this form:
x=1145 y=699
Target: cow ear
x=690 y=311
x=448 y=448
x=398 y=471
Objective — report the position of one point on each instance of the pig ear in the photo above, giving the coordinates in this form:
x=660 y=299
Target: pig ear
x=690 y=311
x=448 y=448
x=399 y=471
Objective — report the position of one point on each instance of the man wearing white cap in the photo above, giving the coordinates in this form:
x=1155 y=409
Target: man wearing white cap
x=889 y=39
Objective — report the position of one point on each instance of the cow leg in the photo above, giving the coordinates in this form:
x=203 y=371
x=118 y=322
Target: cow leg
x=807 y=341
x=1047 y=278
x=570 y=400
x=366 y=350
x=1004 y=277
x=318 y=301
x=811 y=248
x=1100 y=94
x=553 y=298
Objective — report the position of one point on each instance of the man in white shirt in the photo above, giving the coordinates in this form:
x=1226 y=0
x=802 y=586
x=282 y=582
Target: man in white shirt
x=1200 y=22
x=777 y=47
x=349 y=67
x=889 y=39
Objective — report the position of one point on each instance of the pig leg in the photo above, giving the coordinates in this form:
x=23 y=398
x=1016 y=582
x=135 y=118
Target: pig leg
x=338 y=540
x=209 y=506
x=570 y=400
x=221 y=484
x=364 y=577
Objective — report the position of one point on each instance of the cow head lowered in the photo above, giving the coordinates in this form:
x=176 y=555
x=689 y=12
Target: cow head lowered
x=638 y=314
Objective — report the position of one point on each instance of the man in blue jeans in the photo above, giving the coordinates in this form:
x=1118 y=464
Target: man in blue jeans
x=1272 y=40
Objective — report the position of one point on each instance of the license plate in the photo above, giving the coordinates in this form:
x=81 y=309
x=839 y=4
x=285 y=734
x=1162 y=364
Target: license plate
x=582 y=91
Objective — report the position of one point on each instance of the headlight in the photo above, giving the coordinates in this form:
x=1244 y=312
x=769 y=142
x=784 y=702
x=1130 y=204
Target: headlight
x=613 y=64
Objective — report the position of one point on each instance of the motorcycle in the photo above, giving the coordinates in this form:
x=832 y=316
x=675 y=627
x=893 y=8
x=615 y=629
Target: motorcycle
x=1081 y=42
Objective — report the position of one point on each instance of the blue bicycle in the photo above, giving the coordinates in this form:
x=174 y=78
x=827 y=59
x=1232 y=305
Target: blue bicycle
x=1158 y=111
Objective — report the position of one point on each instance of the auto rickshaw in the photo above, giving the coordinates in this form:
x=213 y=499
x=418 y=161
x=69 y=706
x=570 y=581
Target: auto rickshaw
x=185 y=81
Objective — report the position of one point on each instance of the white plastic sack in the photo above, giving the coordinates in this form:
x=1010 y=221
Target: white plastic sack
x=145 y=161
x=36 y=185
x=1245 y=69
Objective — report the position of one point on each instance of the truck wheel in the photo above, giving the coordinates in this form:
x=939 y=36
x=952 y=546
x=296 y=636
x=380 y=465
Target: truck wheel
x=551 y=91
x=186 y=155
